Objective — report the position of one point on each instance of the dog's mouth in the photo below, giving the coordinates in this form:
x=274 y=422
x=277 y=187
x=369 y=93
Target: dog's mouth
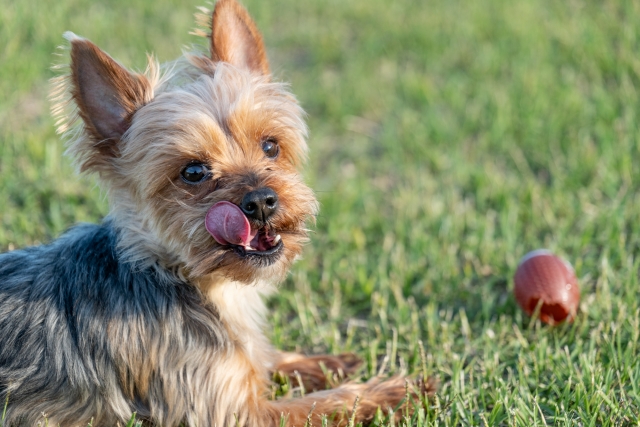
x=230 y=227
x=266 y=242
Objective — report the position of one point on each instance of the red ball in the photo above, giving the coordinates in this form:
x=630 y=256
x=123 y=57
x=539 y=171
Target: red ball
x=542 y=276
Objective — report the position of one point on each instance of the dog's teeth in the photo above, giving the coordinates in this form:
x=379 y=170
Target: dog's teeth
x=277 y=239
x=249 y=248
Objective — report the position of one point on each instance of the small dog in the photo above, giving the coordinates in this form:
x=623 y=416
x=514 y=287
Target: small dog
x=159 y=310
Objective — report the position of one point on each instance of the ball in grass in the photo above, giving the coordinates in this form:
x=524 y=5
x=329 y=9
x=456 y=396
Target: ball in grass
x=543 y=278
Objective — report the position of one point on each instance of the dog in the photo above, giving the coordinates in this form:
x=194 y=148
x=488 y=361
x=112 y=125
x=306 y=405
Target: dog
x=158 y=311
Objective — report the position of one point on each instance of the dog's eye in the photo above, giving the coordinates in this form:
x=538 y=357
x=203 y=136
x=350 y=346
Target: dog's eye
x=194 y=173
x=271 y=148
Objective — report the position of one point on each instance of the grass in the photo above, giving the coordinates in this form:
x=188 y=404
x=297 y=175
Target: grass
x=449 y=138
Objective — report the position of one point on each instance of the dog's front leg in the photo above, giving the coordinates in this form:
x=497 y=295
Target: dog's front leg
x=337 y=405
x=316 y=373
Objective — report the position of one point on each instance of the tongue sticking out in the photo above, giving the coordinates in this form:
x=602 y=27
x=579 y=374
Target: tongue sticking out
x=228 y=225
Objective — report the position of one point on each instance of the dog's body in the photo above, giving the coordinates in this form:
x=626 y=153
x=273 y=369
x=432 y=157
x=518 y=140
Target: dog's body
x=159 y=310
x=85 y=335
x=82 y=334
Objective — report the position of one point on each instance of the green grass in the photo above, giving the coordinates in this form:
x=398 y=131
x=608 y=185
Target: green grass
x=449 y=138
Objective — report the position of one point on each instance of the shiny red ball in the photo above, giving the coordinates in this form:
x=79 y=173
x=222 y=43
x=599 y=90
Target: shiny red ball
x=542 y=276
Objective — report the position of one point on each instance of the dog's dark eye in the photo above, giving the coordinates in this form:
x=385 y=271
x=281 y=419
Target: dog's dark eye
x=194 y=173
x=271 y=148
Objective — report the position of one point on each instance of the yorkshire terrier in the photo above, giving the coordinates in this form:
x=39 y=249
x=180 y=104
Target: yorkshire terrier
x=159 y=310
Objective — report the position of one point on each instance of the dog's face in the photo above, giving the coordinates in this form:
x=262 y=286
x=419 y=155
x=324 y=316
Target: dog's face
x=204 y=163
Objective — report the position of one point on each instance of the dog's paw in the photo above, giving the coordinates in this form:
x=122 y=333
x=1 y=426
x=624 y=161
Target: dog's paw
x=317 y=372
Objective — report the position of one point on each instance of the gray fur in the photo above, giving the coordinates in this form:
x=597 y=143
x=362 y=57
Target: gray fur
x=76 y=323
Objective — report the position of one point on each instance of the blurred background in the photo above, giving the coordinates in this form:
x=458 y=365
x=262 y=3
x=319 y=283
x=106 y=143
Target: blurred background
x=448 y=138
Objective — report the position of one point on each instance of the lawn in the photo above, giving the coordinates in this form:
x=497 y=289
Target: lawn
x=448 y=139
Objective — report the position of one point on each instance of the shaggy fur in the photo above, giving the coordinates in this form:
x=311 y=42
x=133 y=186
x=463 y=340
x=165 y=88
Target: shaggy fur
x=147 y=312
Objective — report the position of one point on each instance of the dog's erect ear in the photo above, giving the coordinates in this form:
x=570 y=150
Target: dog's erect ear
x=106 y=93
x=235 y=38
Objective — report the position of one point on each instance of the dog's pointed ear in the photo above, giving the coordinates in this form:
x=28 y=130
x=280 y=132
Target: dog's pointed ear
x=105 y=93
x=235 y=38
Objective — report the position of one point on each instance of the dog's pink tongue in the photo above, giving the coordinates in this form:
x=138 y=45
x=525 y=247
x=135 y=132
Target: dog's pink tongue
x=228 y=224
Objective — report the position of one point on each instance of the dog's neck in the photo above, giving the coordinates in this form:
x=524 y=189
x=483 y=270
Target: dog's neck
x=241 y=308
x=137 y=243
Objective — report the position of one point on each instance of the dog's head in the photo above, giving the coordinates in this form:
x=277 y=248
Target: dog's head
x=202 y=164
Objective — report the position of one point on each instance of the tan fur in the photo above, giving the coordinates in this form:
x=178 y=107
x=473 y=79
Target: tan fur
x=235 y=38
x=317 y=373
x=137 y=133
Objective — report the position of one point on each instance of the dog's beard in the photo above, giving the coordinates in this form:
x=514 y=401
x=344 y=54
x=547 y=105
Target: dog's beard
x=245 y=266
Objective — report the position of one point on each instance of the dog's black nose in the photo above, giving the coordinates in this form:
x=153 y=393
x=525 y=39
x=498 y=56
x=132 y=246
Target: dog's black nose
x=259 y=204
